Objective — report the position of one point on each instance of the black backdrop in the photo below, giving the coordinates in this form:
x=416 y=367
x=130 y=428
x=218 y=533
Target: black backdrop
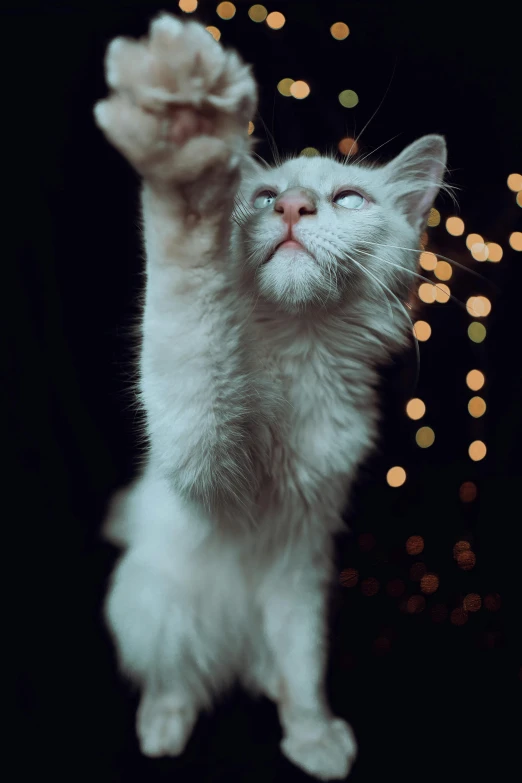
x=430 y=691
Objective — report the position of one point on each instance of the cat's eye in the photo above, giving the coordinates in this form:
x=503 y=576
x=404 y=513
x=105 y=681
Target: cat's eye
x=264 y=199
x=350 y=199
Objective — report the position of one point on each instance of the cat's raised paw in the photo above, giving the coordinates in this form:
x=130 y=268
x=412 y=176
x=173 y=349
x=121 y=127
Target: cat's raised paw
x=179 y=101
x=328 y=755
x=163 y=726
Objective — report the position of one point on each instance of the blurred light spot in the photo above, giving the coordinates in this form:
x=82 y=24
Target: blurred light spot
x=477 y=450
x=428 y=261
x=340 y=31
x=257 y=13
x=460 y=547
x=519 y=198
x=475 y=380
x=467 y=493
x=472 y=602
x=425 y=437
x=477 y=407
x=495 y=252
x=349 y=577
x=476 y=332
x=395 y=588
x=381 y=645
x=214 y=32
x=429 y=584
x=443 y=270
x=226 y=10
x=466 y=560
x=251 y=128
x=188 y=6
x=478 y=306
x=284 y=87
x=515 y=240
x=414 y=545
x=348 y=99
x=415 y=408
x=396 y=476
x=366 y=542
x=415 y=604
x=439 y=613
x=310 y=152
x=459 y=617
x=492 y=602
x=370 y=586
x=442 y=293
x=433 y=217
x=514 y=182
x=299 y=89
x=348 y=146
x=424 y=239
x=275 y=20
x=480 y=251
x=417 y=571
x=422 y=331
x=455 y=226
x=427 y=292
x=473 y=239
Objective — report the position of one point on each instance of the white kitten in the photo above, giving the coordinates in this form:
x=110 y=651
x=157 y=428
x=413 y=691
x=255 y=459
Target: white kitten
x=272 y=296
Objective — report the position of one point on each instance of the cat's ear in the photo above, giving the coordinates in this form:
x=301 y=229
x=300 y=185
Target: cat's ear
x=416 y=176
x=250 y=168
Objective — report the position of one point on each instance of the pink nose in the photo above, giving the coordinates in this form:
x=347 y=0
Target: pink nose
x=294 y=203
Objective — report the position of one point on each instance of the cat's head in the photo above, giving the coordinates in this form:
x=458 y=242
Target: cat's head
x=316 y=231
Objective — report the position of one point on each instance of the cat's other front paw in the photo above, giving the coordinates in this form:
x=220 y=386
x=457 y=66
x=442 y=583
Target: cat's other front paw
x=328 y=753
x=179 y=101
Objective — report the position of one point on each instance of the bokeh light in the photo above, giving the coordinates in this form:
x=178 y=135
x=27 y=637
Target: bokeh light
x=414 y=545
x=479 y=251
x=214 y=32
x=257 y=13
x=429 y=584
x=466 y=560
x=251 y=128
x=427 y=292
x=275 y=20
x=478 y=306
x=428 y=261
x=515 y=240
x=473 y=239
x=310 y=152
x=349 y=577
x=396 y=476
x=415 y=408
x=477 y=450
x=425 y=437
x=433 y=217
x=415 y=604
x=476 y=332
x=477 y=407
x=495 y=252
x=348 y=146
x=518 y=198
x=370 y=586
x=472 y=602
x=348 y=99
x=284 y=87
x=442 y=293
x=340 y=31
x=443 y=270
x=455 y=226
x=299 y=89
x=458 y=616
x=514 y=182
x=188 y=6
x=467 y=493
x=460 y=547
x=475 y=380
x=422 y=331
x=226 y=10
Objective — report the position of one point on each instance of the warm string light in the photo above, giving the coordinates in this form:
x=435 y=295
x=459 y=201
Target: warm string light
x=214 y=32
x=226 y=10
x=188 y=6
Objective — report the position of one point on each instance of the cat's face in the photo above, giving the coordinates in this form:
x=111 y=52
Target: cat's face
x=315 y=231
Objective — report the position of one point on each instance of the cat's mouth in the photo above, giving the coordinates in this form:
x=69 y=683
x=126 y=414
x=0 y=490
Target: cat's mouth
x=288 y=245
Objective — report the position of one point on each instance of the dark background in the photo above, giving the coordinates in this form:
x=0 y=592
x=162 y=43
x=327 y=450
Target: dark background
x=427 y=697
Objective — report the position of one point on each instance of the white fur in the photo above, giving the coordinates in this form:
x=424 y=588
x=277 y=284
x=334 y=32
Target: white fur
x=258 y=381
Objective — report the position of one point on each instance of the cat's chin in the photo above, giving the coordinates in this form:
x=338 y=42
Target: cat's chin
x=288 y=251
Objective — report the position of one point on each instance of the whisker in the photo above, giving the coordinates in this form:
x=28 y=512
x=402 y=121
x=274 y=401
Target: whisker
x=271 y=142
x=360 y=160
x=378 y=107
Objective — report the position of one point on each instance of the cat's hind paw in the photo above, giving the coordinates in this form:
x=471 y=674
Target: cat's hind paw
x=327 y=754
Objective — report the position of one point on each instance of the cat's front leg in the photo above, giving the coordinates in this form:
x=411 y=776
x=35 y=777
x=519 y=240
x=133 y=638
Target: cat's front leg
x=295 y=627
